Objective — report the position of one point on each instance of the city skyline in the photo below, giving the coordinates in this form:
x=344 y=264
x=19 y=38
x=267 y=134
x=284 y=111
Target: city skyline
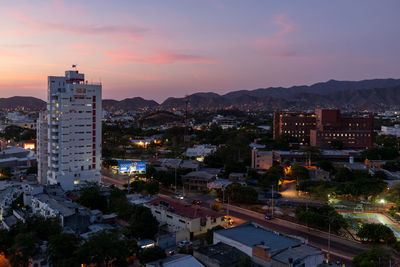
x=144 y=49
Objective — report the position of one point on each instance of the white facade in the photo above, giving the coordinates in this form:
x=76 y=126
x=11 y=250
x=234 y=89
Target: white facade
x=391 y=130
x=42 y=143
x=74 y=130
x=261 y=160
x=200 y=150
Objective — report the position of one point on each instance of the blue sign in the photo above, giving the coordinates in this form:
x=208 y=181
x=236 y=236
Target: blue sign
x=132 y=166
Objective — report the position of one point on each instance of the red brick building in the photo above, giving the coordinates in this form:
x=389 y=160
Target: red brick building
x=325 y=126
x=297 y=125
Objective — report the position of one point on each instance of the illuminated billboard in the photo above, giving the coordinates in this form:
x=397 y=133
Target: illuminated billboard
x=29 y=146
x=132 y=166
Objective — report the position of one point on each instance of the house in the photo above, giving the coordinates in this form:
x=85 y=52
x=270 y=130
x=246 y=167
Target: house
x=266 y=247
x=177 y=215
x=197 y=180
x=178 y=260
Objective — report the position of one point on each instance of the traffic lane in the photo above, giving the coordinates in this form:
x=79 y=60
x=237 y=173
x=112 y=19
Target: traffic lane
x=343 y=252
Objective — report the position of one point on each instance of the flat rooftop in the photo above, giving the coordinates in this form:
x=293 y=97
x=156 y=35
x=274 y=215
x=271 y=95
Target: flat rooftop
x=252 y=235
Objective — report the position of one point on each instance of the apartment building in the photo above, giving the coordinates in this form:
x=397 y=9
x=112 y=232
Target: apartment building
x=73 y=133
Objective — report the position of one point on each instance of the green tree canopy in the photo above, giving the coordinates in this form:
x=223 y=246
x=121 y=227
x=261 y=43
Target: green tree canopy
x=376 y=232
x=371 y=258
x=142 y=223
x=300 y=173
x=151 y=254
x=104 y=247
x=61 y=250
x=92 y=197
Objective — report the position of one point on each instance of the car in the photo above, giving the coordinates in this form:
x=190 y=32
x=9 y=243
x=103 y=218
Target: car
x=184 y=243
x=196 y=202
x=179 y=197
x=268 y=217
x=228 y=219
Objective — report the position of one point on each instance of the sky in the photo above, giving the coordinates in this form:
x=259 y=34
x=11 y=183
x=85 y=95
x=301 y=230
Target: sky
x=158 y=49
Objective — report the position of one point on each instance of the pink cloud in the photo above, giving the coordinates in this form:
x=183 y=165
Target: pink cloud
x=277 y=45
x=159 y=57
x=83 y=29
x=81 y=49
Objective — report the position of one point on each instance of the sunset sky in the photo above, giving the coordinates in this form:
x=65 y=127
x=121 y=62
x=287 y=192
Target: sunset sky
x=157 y=49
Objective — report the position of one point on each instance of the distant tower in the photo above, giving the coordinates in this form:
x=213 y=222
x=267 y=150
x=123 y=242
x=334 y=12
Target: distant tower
x=73 y=131
x=186 y=137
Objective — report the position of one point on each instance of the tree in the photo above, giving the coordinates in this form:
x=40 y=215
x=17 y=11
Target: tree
x=271 y=177
x=6 y=173
x=344 y=175
x=103 y=248
x=61 y=250
x=92 y=197
x=152 y=187
x=321 y=217
x=371 y=258
x=151 y=254
x=142 y=223
x=25 y=246
x=241 y=194
x=107 y=163
x=326 y=165
x=32 y=170
x=376 y=233
x=312 y=151
x=380 y=153
x=300 y=173
x=210 y=234
x=245 y=262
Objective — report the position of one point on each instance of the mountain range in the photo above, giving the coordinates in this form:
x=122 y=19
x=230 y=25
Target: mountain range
x=376 y=94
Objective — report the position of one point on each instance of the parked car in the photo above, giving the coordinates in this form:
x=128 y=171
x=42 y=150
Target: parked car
x=180 y=197
x=196 y=202
x=268 y=217
x=184 y=243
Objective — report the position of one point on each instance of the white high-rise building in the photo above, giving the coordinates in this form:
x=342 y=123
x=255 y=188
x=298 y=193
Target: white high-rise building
x=74 y=131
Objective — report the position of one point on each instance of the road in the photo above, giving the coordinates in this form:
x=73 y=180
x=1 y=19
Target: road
x=341 y=249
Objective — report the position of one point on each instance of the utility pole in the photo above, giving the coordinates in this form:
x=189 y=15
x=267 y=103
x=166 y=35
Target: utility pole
x=329 y=240
x=272 y=201
x=176 y=184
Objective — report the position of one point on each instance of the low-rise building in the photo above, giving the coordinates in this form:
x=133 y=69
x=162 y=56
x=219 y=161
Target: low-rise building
x=178 y=260
x=17 y=158
x=261 y=160
x=71 y=215
x=200 y=151
x=197 y=180
x=219 y=255
x=177 y=215
x=269 y=248
x=388 y=130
